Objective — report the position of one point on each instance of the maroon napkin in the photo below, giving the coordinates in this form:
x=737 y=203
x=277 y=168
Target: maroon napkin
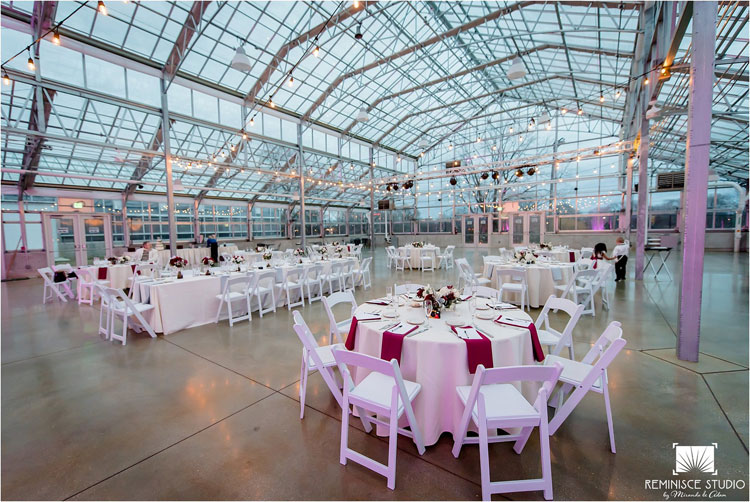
x=391 y=347
x=572 y=256
x=477 y=351
x=132 y=267
x=102 y=273
x=535 y=345
x=352 y=334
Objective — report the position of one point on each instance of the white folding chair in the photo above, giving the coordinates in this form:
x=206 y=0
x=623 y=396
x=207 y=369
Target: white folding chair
x=587 y=253
x=72 y=277
x=314 y=358
x=294 y=280
x=468 y=274
x=493 y=402
x=515 y=280
x=265 y=287
x=236 y=289
x=390 y=252
x=339 y=327
x=446 y=259
x=403 y=258
x=362 y=274
x=406 y=289
x=427 y=260
x=314 y=282
x=483 y=292
x=553 y=339
x=333 y=276
x=86 y=285
x=347 y=275
x=120 y=306
x=384 y=392
x=582 y=288
x=589 y=374
x=60 y=289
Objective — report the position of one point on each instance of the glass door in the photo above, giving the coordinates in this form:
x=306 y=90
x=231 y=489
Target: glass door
x=77 y=239
x=476 y=230
x=527 y=228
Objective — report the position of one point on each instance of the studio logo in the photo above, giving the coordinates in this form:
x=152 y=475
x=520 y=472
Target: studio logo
x=694 y=459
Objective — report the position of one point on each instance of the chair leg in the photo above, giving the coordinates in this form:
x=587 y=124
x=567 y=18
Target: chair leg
x=218 y=311
x=303 y=386
x=484 y=461
x=544 y=447
x=392 y=444
x=605 y=391
x=344 y=432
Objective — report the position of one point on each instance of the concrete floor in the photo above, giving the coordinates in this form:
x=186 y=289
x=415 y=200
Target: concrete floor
x=213 y=412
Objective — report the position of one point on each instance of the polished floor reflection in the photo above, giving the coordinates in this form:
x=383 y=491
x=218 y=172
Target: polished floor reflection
x=213 y=412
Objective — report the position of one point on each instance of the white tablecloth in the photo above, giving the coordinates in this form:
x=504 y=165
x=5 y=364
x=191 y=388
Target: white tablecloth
x=415 y=254
x=541 y=278
x=437 y=360
x=119 y=276
x=192 y=255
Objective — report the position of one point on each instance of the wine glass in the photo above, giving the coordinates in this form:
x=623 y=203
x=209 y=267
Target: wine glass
x=472 y=305
x=427 y=309
x=389 y=294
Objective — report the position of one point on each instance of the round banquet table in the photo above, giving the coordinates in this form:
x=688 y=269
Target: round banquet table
x=437 y=360
x=119 y=276
x=541 y=278
x=563 y=255
x=415 y=254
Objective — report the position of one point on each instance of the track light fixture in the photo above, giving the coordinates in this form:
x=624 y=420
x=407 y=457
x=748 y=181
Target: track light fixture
x=358 y=35
x=519 y=173
x=485 y=175
x=531 y=171
x=453 y=181
x=495 y=175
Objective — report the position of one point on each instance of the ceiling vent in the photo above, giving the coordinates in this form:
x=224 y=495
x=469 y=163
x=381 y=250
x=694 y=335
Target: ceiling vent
x=666 y=182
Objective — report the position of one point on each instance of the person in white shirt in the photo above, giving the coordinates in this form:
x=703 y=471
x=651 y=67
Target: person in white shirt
x=621 y=256
x=145 y=250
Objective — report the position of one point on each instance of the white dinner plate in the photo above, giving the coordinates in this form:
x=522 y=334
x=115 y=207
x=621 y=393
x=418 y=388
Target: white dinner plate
x=486 y=314
x=454 y=320
x=390 y=313
x=415 y=322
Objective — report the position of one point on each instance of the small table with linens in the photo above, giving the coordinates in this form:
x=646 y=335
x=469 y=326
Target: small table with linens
x=541 y=278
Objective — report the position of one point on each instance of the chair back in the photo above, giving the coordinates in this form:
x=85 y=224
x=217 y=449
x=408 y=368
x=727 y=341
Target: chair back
x=306 y=337
x=85 y=275
x=236 y=284
x=405 y=289
x=266 y=278
x=294 y=274
x=365 y=265
x=483 y=292
x=587 y=253
x=312 y=272
x=147 y=270
x=449 y=250
x=426 y=253
x=510 y=374
x=518 y=275
x=569 y=307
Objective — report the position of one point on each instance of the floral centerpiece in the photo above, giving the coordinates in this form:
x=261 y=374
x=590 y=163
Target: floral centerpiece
x=445 y=298
x=335 y=243
x=299 y=253
x=178 y=262
x=524 y=257
x=260 y=249
x=124 y=259
x=417 y=244
x=238 y=260
x=542 y=245
x=339 y=250
x=208 y=262
x=323 y=253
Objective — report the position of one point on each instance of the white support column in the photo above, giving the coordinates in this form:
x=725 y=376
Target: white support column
x=125 y=226
x=196 y=220
x=696 y=178
x=372 y=198
x=628 y=196
x=642 y=230
x=165 y=126
x=301 y=162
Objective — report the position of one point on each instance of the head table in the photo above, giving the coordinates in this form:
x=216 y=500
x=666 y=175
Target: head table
x=192 y=255
x=541 y=277
x=437 y=359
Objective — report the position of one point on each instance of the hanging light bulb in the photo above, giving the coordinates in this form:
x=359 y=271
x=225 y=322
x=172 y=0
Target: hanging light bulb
x=494 y=147
x=398 y=159
x=450 y=147
x=56 y=37
x=601 y=98
x=645 y=82
x=6 y=78
x=101 y=8
x=271 y=103
x=549 y=125
x=532 y=123
x=479 y=139
x=617 y=94
x=563 y=111
x=291 y=81
x=244 y=134
x=356 y=4
x=252 y=121
x=30 y=62
x=511 y=129
x=580 y=111
x=316 y=51
x=520 y=139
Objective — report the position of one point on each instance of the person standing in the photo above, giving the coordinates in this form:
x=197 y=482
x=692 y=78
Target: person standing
x=621 y=256
x=213 y=244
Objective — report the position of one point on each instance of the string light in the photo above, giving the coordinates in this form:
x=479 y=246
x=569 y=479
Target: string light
x=356 y=4
x=511 y=129
x=564 y=111
x=244 y=134
x=316 y=51
x=252 y=121
x=645 y=82
x=291 y=81
x=271 y=103
x=617 y=94
x=101 y=8
x=580 y=111
x=6 y=78
x=56 y=37
x=601 y=98
x=30 y=62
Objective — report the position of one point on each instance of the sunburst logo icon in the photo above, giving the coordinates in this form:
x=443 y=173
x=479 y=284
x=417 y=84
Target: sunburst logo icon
x=694 y=459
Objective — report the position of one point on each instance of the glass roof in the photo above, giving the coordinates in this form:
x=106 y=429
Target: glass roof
x=433 y=77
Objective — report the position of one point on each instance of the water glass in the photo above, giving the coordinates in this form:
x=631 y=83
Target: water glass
x=389 y=294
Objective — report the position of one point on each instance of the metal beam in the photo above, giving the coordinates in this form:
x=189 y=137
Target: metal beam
x=345 y=14
x=168 y=167
x=41 y=21
x=179 y=50
x=696 y=179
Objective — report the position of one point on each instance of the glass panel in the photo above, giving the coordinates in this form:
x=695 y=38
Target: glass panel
x=535 y=229
x=517 y=229
x=63 y=240
x=469 y=230
x=93 y=233
x=483 y=230
x=725 y=220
